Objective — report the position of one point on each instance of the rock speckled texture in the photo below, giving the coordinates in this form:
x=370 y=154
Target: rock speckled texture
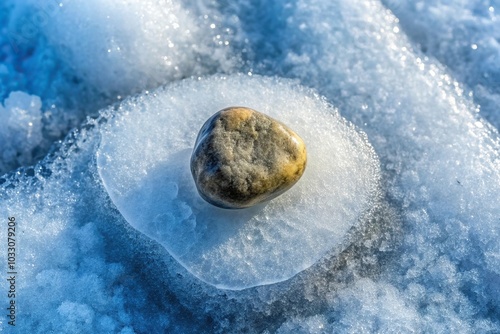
x=243 y=157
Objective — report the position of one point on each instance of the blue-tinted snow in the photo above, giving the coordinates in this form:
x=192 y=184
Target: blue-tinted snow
x=464 y=36
x=79 y=57
x=429 y=263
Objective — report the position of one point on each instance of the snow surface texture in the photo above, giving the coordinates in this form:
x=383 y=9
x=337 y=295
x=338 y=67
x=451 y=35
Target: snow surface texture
x=80 y=56
x=464 y=36
x=151 y=183
x=433 y=269
x=121 y=47
x=20 y=129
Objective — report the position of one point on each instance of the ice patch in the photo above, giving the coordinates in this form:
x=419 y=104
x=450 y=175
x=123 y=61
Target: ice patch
x=144 y=157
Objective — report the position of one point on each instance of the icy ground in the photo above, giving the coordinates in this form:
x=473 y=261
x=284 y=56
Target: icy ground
x=245 y=248
x=418 y=80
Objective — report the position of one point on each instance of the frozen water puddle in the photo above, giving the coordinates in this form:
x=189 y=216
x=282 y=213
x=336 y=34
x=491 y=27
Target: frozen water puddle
x=143 y=161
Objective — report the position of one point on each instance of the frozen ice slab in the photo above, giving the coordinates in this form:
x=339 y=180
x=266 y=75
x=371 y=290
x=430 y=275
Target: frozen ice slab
x=143 y=161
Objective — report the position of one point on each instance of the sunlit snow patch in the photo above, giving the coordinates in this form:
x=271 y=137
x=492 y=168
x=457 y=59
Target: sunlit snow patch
x=143 y=161
x=120 y=47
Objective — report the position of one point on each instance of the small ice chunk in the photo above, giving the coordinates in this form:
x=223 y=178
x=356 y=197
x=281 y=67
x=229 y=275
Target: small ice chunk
x=20 y=129
x=143 y=161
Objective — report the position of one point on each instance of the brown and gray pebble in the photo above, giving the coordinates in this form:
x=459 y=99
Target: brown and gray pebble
x=243 y=157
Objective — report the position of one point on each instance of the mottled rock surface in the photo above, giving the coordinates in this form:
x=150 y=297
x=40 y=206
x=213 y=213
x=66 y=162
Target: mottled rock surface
x=243 y=157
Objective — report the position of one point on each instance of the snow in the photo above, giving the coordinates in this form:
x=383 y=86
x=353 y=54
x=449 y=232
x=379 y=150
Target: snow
x=79 y=57
x=237 y=250
x=417 y=78
x=464 y=37
x=122 y=51
x=20 y=129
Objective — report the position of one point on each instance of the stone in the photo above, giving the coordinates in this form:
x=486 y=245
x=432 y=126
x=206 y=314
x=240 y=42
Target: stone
x=242 y=157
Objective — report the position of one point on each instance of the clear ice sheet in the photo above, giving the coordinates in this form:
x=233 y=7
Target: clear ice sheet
x=143 y=161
